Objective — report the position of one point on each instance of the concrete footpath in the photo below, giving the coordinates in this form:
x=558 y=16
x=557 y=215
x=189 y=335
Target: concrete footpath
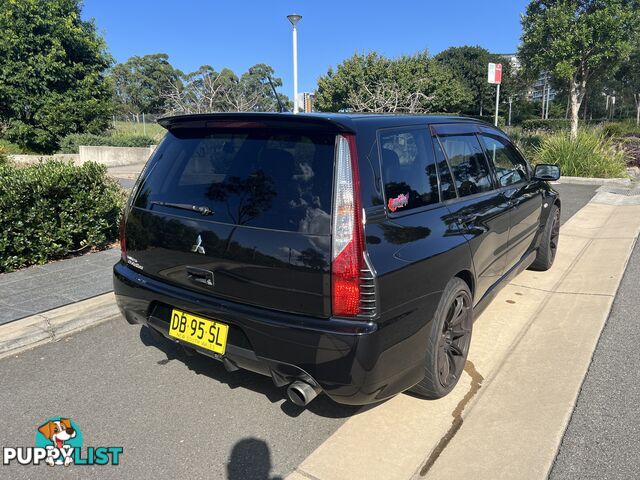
x=530 y=351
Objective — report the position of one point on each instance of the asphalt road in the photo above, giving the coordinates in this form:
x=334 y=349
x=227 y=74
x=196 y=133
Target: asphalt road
x=573 y=198
x=176 y=416
x=602 y=440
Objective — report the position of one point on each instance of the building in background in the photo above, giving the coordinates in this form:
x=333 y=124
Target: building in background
x=542 y=88
x=512 y=58
x=305 y=101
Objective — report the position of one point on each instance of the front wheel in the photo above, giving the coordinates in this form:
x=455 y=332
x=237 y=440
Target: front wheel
x=546 y=253
x=449 y=341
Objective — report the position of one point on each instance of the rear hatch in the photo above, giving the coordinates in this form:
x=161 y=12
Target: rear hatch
x=239 y=210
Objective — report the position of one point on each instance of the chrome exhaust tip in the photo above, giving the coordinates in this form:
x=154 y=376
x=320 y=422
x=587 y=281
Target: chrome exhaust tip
x=302 y=393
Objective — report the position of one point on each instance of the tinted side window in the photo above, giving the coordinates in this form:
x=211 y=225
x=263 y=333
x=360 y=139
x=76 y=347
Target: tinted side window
x=509 y=167
x=408 y=169
x=468 y=164
x=447 y=188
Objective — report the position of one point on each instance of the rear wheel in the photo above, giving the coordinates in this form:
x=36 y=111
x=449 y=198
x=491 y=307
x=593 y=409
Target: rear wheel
x=449 y=341
x=546 y=253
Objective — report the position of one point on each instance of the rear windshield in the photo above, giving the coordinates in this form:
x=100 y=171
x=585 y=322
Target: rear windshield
x=261 y=178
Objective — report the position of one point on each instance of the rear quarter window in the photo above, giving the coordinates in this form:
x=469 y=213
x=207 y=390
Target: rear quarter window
x=262 y=178
x=408 y=169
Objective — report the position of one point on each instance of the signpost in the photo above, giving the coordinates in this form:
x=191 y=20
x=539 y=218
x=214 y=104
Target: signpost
x=495 y=78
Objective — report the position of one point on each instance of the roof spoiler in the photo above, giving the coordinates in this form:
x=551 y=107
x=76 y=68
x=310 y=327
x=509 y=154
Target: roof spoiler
x=258 y=120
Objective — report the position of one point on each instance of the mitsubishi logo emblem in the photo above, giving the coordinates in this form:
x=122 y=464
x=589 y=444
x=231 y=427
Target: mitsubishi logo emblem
x=198 y=248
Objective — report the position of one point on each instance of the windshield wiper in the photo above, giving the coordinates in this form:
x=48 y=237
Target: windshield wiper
x=203 y=210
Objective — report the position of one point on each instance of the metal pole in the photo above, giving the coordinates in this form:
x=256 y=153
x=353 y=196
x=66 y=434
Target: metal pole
x=510 y=101
x=144 y=126
x=546 y=115
x=497 y=103
x=295 y=69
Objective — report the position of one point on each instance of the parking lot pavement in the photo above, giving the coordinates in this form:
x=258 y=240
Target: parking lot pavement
x=603 y=436
x=176 y=416
x=573 y=198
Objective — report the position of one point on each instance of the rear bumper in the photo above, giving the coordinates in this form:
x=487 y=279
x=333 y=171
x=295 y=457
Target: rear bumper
x=350 y=360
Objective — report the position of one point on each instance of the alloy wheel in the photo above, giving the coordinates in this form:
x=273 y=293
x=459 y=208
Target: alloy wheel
x=454 y=340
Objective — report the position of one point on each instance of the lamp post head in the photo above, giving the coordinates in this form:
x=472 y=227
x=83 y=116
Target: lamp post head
x=294 y=18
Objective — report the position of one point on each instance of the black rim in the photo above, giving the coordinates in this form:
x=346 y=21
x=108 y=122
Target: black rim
x=454 y=340
x=555 y=235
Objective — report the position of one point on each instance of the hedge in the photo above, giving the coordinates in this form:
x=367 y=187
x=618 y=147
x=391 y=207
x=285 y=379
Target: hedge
x=550 y=125
x=55 y=209
x=71 y=143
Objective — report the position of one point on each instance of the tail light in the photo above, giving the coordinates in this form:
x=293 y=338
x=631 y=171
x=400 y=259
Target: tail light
x=123 y=239
x=347 y=232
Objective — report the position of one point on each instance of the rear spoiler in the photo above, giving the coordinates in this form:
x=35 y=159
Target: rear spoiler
x=335 y=123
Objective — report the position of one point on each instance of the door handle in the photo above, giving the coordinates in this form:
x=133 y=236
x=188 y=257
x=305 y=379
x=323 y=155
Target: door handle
x=467 y=220
x=200 y=275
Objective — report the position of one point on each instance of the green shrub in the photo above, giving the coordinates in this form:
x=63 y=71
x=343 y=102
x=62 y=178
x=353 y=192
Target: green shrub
x=621 y=129
x=71 y=143
x=590 y=155
x=550 y=125
x=527 y=142
x=53 y=209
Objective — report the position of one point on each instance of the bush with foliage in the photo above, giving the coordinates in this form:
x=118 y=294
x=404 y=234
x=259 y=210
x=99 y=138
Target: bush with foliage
x=590 y=154
x=621 y=129
x=54 y=209
x=549 y=125
x=527 y=142
x=71 y=143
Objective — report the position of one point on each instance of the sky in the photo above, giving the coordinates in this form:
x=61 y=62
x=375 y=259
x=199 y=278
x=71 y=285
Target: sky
x=240 y=33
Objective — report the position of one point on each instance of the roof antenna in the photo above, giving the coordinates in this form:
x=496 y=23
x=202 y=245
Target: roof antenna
x=276 y=95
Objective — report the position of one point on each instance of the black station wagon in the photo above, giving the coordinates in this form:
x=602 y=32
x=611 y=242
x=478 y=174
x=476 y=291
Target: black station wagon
x=344 y=254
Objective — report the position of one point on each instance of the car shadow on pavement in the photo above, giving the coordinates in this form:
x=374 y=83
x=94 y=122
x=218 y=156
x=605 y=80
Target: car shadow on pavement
x=202 y=365
x=250 y=460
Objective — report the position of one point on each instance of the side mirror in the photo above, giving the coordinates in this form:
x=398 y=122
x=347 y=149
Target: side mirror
x=546 y=172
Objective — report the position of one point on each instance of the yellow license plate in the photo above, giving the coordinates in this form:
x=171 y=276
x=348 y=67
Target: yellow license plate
x=199 y=331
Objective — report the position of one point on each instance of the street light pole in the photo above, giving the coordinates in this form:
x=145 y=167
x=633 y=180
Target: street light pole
x=294 y=19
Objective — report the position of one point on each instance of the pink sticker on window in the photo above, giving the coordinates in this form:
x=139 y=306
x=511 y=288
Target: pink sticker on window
x=398 y=202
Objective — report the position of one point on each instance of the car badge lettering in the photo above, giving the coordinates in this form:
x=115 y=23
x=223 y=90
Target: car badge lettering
x=398 y=202
x=198 y=248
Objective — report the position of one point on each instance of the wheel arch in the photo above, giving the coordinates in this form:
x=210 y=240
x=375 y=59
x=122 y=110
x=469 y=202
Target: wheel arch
x=467 y=277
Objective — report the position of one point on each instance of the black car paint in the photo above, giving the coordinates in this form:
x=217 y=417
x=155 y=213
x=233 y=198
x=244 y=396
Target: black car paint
x=413 y=254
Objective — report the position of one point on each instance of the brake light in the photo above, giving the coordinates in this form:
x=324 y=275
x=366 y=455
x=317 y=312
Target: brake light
x=123 y=239
x=347 y=232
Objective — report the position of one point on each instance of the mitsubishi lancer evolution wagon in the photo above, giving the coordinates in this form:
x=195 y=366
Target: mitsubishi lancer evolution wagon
x=338 y=254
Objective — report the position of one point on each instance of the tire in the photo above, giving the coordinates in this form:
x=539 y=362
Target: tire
x=546 y=253
x=448 y=343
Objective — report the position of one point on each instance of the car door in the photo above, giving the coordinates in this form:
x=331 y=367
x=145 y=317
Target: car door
x=479 y=208
x=512 y=175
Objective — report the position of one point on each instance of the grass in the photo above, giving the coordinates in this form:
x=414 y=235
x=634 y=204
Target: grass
x=591 y=154
x=133 y=128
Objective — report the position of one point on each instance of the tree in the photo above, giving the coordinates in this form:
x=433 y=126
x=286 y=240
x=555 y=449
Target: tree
x=577 y=40
x=628 y=78
x=373 y=83
x=469 y=65
x=52 y=73
x=141 y=83
x=207 y=90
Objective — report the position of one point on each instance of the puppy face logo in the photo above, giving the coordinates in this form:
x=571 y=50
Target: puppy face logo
x=58 y=431
x=60 y=437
